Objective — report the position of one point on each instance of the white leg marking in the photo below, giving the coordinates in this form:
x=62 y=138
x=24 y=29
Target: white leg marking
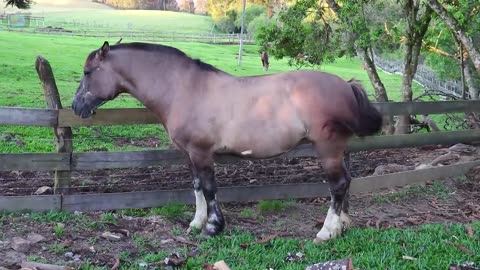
x=332 y=226
x=200 y=211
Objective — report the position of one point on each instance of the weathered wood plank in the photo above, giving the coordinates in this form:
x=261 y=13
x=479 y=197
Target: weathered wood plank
x=132 y=159
x=111 y=201
x=366 y=184
x=144 y=116
x=33 y=203
x=145 y=199
x=62 y=179
x=428 y=107
x=28 y=117
x=413 y=140
x=104 y=117
x=35 y=162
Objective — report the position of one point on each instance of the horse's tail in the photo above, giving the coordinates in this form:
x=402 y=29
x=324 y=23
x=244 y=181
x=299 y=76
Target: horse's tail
x=369 y=119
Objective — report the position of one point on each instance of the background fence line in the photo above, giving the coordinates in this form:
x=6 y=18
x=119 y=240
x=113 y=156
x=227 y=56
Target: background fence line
x=424 y=76
x=151 y=36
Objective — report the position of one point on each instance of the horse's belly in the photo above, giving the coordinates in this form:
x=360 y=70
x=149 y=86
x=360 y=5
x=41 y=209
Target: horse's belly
x=261 y=140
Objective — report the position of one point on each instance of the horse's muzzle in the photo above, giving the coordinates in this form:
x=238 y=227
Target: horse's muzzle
x=86 y=107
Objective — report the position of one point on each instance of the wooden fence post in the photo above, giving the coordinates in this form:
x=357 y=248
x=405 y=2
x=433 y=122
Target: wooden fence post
x=63 y=134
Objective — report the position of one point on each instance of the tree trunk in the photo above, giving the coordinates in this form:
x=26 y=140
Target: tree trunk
x=380 y=92
x=457 y=30
x=416 y=29
x=472 y=89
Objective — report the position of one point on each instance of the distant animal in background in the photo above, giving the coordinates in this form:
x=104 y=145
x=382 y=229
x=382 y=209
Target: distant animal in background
x=264 y=57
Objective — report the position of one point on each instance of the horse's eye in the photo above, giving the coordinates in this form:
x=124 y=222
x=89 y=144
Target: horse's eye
x=86 y=72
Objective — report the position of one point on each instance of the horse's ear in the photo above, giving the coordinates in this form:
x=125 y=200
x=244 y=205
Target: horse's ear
x=104 y=50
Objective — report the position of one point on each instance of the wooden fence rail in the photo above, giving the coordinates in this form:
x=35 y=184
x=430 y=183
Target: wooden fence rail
x=142 y=159
x=128 y=116
x=146 y=199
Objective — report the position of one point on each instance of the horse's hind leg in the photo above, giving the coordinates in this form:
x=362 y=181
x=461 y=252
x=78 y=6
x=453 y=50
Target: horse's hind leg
x=208 y=211
x=339 y=179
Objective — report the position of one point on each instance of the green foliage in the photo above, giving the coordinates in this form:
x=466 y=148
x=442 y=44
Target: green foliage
x=312 y=33
x=226 y=25
x=259 y=21
x=232 y=21
x=251 y=13
x=21 y=4
x=442 y=49
x=300 y=34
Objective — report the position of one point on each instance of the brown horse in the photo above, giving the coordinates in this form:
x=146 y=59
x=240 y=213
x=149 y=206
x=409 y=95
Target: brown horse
x=264 y=57
x=207 y=111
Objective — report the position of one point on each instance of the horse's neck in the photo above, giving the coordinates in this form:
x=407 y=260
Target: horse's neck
x=152 y=84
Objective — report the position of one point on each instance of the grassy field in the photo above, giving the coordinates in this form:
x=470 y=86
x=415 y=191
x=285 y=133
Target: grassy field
x=20 y=86
x=86 y=15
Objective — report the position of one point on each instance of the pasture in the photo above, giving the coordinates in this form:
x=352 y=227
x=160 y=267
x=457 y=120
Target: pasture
x=21 y=87
x=419 y=227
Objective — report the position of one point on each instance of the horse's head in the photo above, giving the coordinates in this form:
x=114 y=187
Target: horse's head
x=99 y=84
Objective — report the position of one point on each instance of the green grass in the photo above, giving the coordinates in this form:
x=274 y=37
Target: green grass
x=170 y=211
x=84 y=15
x=271 y=206
x=20 y=86
x=432 y=246
x=437 y=189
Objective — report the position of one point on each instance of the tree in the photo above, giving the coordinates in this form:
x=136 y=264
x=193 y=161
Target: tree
x=417 y=22
x=458 y=31
x=186 y=6
x=21 y=4
x=201 y=7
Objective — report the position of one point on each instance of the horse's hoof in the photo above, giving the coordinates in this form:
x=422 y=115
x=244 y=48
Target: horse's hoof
x=197 y=224
x=318 y=241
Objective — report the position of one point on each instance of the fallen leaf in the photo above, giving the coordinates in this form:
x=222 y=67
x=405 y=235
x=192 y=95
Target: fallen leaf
x=267 y=239
x=184 y=241
x=405 y=257
x=461 y=248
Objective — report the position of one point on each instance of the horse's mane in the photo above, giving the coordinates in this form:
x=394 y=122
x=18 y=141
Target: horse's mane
x=162 y=49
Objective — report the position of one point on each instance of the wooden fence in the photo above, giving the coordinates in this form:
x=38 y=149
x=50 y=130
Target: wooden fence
x=65 y=160
x=150 y=36
x=424 y=76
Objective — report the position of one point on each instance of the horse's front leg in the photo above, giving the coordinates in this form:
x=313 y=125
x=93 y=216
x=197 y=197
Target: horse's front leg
x=208 y=211
x=337 y=218
x=201 y=213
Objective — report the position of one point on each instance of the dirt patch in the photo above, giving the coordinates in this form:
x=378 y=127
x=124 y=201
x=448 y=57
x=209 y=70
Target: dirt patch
x=258 y=172
x=450 y=201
